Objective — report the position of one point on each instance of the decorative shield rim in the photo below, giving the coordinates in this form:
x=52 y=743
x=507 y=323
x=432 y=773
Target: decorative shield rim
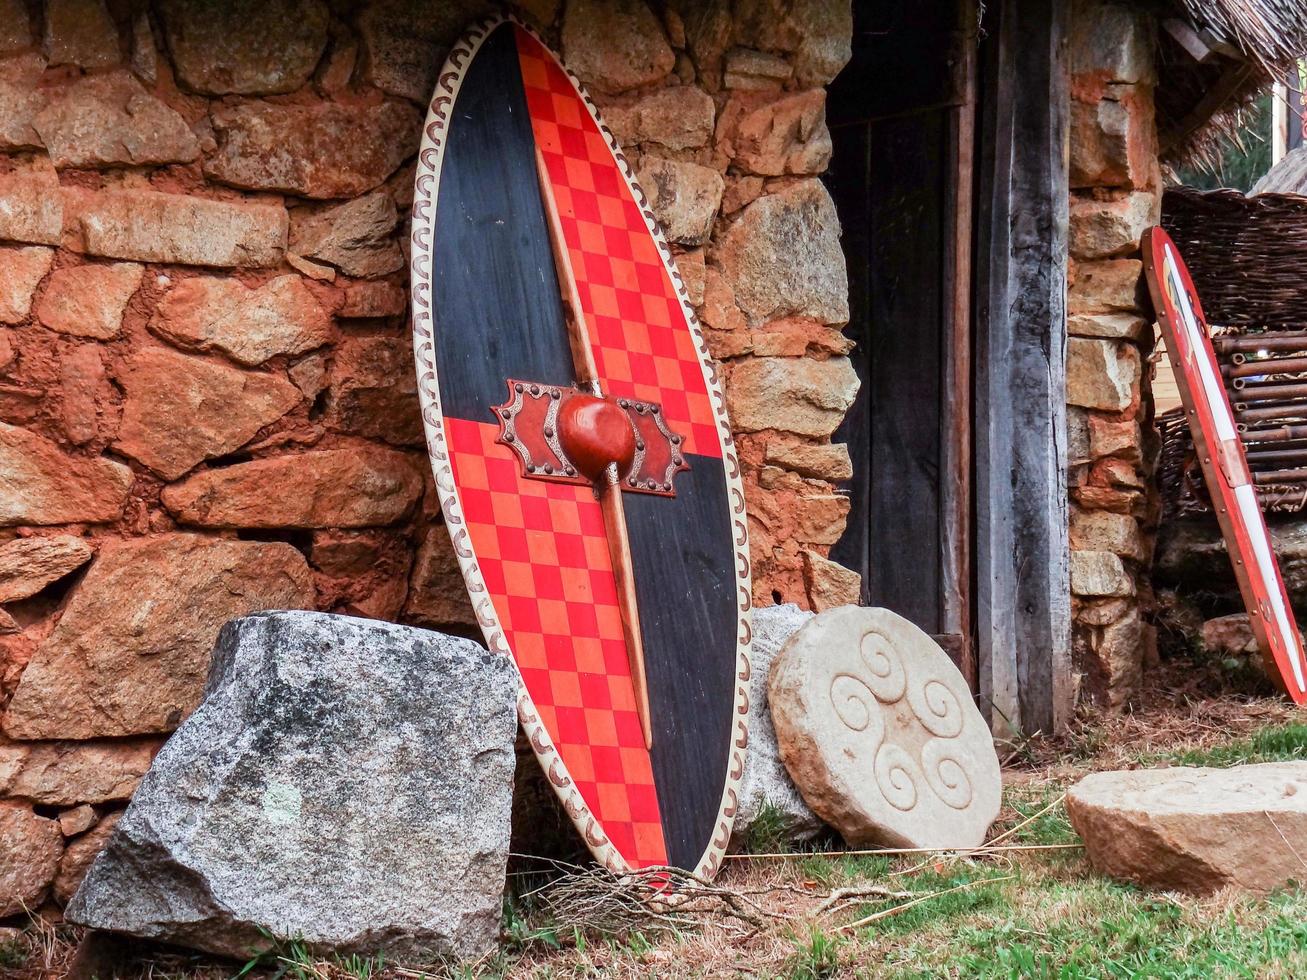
x=426 y=188
x=1225 y=468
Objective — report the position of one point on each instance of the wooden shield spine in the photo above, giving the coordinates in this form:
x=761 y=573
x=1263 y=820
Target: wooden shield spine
x=426 y=188
x=1225 y=469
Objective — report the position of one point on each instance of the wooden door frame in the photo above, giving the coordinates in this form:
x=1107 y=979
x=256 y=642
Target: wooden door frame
x=956 y=483
x=944 y=95
x=1023 y=603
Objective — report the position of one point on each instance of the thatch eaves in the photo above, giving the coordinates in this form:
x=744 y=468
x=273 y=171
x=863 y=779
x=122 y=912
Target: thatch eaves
x=1214 y=57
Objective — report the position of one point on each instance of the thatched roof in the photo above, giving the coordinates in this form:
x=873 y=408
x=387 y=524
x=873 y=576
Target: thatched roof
x=1215 y=56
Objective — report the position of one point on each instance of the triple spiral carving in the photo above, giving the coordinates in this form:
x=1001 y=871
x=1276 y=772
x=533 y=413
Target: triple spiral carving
x=881 y=680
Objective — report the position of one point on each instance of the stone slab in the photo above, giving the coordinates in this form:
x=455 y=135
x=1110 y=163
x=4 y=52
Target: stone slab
x=1196 y=830
x=345 y=783
x=879 y=732
x=766 y=787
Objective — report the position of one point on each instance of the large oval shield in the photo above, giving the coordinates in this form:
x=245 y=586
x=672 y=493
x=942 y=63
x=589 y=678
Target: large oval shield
x=508 y=128
x=1220 y=451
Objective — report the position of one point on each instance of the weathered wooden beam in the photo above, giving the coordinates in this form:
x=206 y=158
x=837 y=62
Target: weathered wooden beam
x=1193 y=43
x=1023 y=627
x=955 y=442
x=1234 y=77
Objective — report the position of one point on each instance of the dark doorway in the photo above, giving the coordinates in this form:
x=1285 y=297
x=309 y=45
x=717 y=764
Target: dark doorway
x=901 y=117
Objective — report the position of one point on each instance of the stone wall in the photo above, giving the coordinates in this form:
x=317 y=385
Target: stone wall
x=1115 y=194
x=207 y=403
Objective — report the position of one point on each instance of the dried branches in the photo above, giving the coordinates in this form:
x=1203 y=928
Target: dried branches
x=671 y=901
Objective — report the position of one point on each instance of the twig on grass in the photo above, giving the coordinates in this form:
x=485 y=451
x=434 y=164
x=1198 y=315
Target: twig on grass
x=980 y=849
x=887 y=913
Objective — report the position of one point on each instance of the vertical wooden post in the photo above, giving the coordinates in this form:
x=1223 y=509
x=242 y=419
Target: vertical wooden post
x=956 y=412
x=1023 y=624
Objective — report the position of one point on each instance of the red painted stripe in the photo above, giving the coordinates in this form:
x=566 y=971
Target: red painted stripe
x=545 y=561
x=642 y=344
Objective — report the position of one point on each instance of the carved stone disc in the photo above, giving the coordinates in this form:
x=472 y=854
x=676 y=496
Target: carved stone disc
x=880 y=734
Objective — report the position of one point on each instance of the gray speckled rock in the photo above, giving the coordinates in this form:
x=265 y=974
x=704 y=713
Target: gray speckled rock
x=345 y=782
x=765 y=780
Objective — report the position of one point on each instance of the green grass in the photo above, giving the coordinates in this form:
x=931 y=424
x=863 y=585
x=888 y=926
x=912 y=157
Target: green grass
x=1281 y=743
x=1107 y=930
x=1050 y=824
x=769 y=831
x=816 y=956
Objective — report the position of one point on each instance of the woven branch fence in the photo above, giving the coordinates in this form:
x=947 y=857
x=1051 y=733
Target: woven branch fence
x=1248 y=260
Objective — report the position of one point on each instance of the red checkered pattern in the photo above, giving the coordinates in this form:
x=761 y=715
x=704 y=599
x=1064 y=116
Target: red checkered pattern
x=544 y=557
x=642 y=343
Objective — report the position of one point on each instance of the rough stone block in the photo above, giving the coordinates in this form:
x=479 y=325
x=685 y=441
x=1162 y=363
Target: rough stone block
x=45 y=485
x=782 y=257
x=321 y=150
x=1114 y=437
x=28 y=565
x=179 y=410
x=373 y=300
x=1195 y=830
x=83 y=382
x=772 y=136
x=1111 y=42
x=1101 y=374
x=80 y=32
x=1115 y=326
x=748 y=70
x=615 y=45
x=1077 y=436
x=30 y=847
x=679 y=118
x=113 y=668
x=21 y=271
x=110 y=120
x=437 y=596
x=766 y=785
x=828 y=583
x=816 y=34
x=1112 y=286
x=77 y=820
x=684 y=197
x=1114 y=139
x=797 y=395
x=282 y=316
x=357 y=237
x=78 y=857
x=1098 y=530
x=89 y=300
x=817 y=461
x=406 y=40
x=1099 y=573
x=31 y=209
x=148 y=226
x=363 y=487
x=326 y=748
x=15 y=26
x=20 y=98
x=68 y=773
x=1105 y=229
x=244 y=47
x=374 y=391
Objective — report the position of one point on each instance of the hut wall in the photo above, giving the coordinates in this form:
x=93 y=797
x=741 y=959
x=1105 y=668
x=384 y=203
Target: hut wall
x=207 y=401
x=1115 y=194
